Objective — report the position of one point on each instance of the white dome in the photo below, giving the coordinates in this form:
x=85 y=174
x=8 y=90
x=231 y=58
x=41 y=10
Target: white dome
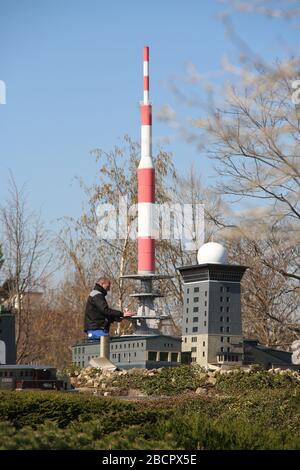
x=212 y=253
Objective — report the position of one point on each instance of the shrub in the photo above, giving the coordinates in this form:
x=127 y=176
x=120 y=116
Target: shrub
x=168 y=381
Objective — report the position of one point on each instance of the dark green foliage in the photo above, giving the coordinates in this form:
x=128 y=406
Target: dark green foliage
x=243 y=411
x=34 y=408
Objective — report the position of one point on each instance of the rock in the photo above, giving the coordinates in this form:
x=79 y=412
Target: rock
x=136 y=371
x=277 y=370
x=135 y=392
x=201 y=391
x=103 y=386
x=106 y=394
x=211 y=380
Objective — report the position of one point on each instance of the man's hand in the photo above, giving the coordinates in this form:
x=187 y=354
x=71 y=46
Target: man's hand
x=127 y=313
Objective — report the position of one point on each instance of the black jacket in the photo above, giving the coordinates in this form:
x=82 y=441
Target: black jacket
x=98 y=315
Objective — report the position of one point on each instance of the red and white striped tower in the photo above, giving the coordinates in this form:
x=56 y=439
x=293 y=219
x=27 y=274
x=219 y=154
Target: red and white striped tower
x=146 y=183
x=147 y=317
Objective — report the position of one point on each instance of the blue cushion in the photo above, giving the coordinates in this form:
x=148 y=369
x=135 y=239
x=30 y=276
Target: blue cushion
x=96 y=334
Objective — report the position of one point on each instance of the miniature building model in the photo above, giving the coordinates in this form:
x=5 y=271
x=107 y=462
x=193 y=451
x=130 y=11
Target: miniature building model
x=211 y=324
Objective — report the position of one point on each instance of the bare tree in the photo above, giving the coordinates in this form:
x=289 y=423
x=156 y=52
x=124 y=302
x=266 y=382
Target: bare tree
x=84 y=242
x=27 y=262
x=270 y=301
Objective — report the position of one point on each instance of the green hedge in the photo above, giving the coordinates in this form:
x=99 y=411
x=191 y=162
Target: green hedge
x=34 y=408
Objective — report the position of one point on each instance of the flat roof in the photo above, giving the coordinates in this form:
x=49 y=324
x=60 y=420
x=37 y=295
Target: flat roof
x=127 y=338
x=211 y=265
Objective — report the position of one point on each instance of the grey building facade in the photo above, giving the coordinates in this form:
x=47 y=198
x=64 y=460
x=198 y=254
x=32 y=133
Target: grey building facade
x=7 y=337
x=256 y=353
x=211 y=323
x=133 y=351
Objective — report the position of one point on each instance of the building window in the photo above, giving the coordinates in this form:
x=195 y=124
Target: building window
x=195 y=319
x=174 y=357
x=188 y=291
x=185 y=340
x=186 y=320
x=187 y=310
x=124 y=346
x=195 y=329
x=227 y=289
x=228 y=349
x=163 y=356
x=221 y=309
x=205 y=303
x=196 y=289
x=89 y=357
x=222 y=349
x=151 y=355
x=194 y=339
x=227 y=329
x=187 y=300
x=186 y=330
x=228 y=339
x=227 y=309
x=205 y=323
x=135 y=354
x=83 y=350
x=203 y=343
x=205 y=313
x=221 y=299
x=137 y=345
x=194 y=349
x=205 y=293
x=79 y=350
x=221 y=289
x=227 y=298
x=196 y=309
x=193 y=359
x=222 y=339
x=221 y=329
x=203 y=354
x=227 y=319
x=196 y=299
x=82 y=364
x=221 y=318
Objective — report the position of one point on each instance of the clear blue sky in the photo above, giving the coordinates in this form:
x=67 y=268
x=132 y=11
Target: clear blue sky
x=73 y=71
